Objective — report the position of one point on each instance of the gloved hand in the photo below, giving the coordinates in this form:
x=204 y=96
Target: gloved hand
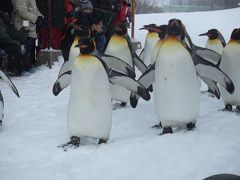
x=40 y=21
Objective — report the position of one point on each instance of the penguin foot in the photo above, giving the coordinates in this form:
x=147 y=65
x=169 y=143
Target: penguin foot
x=210 y=93
x=102 y=141
x=228 y=108
x=237 y=110
x=166 y=130
x=74 y=142
x=123 y=104
x=191 y=126
x=118 y=106
x=159 y=125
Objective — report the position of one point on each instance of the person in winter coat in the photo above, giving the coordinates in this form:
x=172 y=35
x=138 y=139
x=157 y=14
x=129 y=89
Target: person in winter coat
x=11 y=40
x=79 y=13
x=26 y=15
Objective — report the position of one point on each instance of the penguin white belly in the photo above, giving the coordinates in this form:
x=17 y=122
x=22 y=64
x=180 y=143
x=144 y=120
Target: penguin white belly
x=118 y=47
x=150 y=42
x=176 y=86
x=89 y=109
x=230 y=65
x=215 y=45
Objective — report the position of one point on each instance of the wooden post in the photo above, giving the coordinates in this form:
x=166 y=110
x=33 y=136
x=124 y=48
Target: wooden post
x=133 y=18
x=49 y=23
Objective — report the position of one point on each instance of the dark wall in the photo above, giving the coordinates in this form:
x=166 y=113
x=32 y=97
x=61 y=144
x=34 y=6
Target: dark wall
x=58 y=11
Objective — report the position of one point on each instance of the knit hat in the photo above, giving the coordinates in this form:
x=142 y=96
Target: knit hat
x=84 y=4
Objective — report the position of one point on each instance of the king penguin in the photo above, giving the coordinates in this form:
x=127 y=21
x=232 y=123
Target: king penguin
x=118 y=46
x=89 y=109
x=8 y=81
x=216 y=41
x=230 y=64
x=174 y=73
x=150 y=41
x=175 y=77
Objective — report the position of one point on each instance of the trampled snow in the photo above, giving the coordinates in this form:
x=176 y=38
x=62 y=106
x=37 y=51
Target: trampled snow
x=35 y=124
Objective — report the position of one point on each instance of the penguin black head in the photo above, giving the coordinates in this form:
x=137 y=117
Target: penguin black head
x=121 y=29
x=150 y=27
x=162 y=31
x=212 y=34
x=236 y=34
x=176 y=28
x=86 y=45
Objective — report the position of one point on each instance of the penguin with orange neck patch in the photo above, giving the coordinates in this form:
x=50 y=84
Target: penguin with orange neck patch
x=120 y=47
x=150 y=42
x=89 y=108
x=216 y=41
x=230 y=64
x=176 y=86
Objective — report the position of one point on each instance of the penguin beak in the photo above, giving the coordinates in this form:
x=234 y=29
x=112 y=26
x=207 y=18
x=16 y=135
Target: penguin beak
x=143 y=28
x=204 y=34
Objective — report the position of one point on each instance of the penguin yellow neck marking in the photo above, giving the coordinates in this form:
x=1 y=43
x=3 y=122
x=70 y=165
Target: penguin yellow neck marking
x=117 y=39
x=85 y=57
x=232 y=41
x=214 y=41
x=152 y=35
x=172 y=40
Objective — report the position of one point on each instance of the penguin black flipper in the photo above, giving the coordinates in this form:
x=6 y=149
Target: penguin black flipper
x=208 y=55
x=141 y=53
x=207 y=69
x=212 y=86
x=146 y=79
x=1 y=107
x=199 y=53
x=62 y=82
x=129 y=83
x=139 y=63
x=9 y=82
x=64 y=68
x=117 y=64
x=136 y=60
x=213 y=72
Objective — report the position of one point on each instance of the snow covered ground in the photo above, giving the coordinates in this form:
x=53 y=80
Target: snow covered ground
x=35 y=125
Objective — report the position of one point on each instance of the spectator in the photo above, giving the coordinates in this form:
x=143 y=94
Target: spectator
x=97 y=32
x=79 y=15
x=3 y=60
x=11 y=40
x=26 y=15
